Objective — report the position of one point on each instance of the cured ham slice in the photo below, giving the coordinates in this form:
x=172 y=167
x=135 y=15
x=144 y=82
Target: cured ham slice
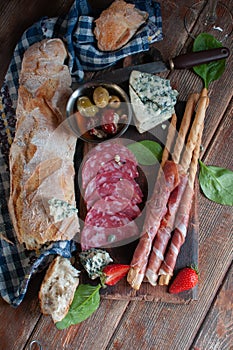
x=156 y=209
x=179 y=234
x=164 y=231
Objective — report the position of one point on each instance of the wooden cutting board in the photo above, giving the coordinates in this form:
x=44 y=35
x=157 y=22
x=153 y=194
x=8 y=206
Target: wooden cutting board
x=189 y=251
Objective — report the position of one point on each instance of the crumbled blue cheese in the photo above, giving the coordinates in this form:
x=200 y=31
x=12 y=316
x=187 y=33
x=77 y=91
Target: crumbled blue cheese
x=152 y=98
x=60 y=209
x=94 y=260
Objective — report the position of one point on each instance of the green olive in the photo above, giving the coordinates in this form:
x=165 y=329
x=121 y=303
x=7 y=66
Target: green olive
x=101 y=97
x=114 y=102
x=86 y=107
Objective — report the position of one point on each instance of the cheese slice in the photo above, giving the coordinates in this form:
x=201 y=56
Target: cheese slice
x=152 y=98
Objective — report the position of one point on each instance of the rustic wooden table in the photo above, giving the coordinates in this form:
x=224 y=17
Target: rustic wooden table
x=120 y=324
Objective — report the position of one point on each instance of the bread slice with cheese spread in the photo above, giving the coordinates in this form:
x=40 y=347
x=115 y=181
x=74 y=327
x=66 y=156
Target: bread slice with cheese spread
x=58 y=287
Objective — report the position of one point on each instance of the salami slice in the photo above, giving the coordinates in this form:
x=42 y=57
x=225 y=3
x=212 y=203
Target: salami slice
x=101 y=155
x=104 y=230
x=114 y=182
x=129 y=167
x=112 y=205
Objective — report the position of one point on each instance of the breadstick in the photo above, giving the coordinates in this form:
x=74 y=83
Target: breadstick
x=169 y=141
x=195 y=129
x=184 y=127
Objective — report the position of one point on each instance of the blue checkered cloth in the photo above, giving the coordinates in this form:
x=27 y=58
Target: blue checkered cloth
x=17 y=265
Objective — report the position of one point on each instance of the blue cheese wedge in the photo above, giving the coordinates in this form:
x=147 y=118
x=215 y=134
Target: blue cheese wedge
x=152 y=98
x=94 y=260
x=60 y=209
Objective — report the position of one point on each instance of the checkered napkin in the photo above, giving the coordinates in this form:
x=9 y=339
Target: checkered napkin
x=17 y=265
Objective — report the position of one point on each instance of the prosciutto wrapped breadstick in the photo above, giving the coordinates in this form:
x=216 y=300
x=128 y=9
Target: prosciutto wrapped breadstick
x=164 y=232
x=167 y=224
x=182 y=220
x=156 y=209
x=167 y=180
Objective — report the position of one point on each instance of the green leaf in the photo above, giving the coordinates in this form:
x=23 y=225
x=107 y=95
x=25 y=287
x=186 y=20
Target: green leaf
x=216 y=183
x=213 y=70
x=146 y=152
x=86 y=301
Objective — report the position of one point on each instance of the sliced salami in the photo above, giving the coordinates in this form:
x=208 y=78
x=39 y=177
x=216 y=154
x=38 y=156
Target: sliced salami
x=114 y=182
x=112 y=205
x=103 y=230
x=102 y=155
x=129 y=167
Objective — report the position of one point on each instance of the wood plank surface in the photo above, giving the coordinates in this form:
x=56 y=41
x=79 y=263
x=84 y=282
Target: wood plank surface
x=17 y=323
x=217 y=329
x=142 y=325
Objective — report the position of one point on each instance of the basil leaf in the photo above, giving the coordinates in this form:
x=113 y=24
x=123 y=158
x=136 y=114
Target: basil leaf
x=86 y=301
x=213 y=70
x=216 y=183
x=147 y=152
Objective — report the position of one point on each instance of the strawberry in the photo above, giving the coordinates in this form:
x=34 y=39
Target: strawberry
x=114 y=272
x=186 y=279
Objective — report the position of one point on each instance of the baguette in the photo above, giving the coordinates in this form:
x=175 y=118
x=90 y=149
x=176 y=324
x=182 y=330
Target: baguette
x=58 y=287
x=41 y=155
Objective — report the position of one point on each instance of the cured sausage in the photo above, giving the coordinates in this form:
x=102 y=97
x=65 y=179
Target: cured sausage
x=105 y=230
x=101 y=155
x=164 y=232
x=155 y=211
x=111 y=206
x=129 y=167
x=117 y=184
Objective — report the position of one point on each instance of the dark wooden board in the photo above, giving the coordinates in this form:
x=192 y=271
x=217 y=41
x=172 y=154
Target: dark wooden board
x=123 y=254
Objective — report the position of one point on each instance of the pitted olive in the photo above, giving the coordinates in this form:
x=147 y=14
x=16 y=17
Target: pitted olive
x=114 y=101
x=101 y=97
x=86 y=107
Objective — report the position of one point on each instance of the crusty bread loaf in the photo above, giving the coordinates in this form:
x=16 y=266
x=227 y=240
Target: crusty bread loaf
x=58 y=288
x=41 y=156
x=117 y=24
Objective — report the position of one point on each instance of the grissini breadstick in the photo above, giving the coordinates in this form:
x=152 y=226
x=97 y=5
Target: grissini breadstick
x=184 y=126
x=156 y=208
x=195 y=129
x=182 y=220
x=170 y=137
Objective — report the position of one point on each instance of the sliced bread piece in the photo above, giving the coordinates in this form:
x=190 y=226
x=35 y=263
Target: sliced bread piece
x=58 y=288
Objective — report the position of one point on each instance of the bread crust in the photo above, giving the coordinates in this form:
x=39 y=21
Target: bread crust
x=41 y=155
x=117 y=24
